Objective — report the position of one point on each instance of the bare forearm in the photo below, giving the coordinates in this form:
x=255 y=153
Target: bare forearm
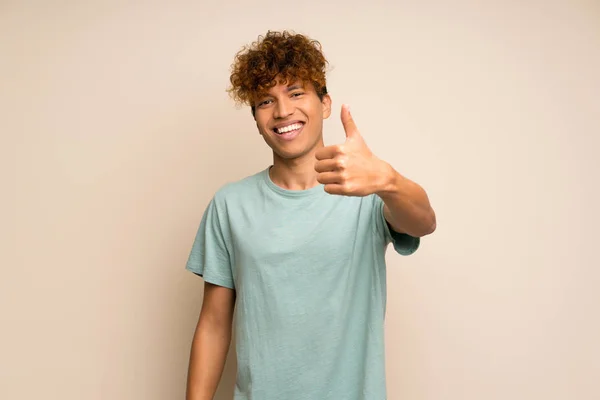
x=407 y=206
x=207 y=360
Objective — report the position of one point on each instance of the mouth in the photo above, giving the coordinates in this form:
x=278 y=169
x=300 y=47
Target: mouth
x=290 y=131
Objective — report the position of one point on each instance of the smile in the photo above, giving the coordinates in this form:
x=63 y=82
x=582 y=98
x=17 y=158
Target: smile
x=289 y=132
x=288 y=128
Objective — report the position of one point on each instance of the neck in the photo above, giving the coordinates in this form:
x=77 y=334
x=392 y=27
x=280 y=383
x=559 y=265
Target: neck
x=295 y=174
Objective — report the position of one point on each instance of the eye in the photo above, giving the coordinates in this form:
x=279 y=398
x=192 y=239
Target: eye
x=296 y=94
x=264 y=103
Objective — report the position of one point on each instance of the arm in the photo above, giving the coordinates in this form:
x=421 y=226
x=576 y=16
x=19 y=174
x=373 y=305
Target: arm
x=406 y=204
x=211 y=342
x=351 y=169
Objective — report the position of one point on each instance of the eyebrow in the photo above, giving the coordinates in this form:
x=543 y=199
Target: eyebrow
x=288 y=89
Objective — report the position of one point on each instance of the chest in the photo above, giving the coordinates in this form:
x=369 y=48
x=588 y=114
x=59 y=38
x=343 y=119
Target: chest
x=300 y=238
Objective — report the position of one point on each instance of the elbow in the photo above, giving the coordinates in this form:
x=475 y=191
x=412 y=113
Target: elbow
x=429 y=225
x=432 y=223
x=432 y=228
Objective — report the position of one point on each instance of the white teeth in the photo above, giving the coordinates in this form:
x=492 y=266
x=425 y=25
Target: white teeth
x=289 y=128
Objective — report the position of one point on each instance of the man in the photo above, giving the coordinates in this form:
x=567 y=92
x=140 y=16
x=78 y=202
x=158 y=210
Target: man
x=299 y=247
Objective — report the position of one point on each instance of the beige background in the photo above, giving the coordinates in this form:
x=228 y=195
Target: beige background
x=116 y=131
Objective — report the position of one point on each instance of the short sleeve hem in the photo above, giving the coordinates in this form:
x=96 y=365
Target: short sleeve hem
x=212 y=278
x=210 y=255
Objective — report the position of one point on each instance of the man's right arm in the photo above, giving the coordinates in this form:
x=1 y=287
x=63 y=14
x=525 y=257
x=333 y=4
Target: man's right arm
x=211 y=342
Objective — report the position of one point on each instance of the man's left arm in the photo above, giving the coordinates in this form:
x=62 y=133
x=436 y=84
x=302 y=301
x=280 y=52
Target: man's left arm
x=351 y=169
x=406 y=204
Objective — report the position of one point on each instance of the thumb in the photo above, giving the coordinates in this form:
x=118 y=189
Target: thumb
x=348 y=122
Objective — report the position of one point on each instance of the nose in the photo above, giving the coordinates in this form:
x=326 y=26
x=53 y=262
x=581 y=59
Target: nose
x=283 y=109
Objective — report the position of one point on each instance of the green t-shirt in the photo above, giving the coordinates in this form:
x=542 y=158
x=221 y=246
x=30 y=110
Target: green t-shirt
x=310 y=278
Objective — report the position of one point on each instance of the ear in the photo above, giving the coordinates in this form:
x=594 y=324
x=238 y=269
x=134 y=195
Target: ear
x=326 y=102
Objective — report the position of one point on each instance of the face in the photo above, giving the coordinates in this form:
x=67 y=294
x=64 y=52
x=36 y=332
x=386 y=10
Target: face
x=290 y=119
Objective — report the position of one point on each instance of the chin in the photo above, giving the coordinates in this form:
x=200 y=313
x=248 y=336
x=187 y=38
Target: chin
x=292 y=150
x=289 y=155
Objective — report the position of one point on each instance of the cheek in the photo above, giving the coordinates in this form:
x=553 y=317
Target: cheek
x=265 y=131
x=316 y=111
x=261 y=127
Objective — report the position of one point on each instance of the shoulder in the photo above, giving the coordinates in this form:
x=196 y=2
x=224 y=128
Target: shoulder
x=238 y=189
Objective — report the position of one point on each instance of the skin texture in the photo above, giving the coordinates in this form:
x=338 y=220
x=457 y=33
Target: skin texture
x=293 y=161
x=211 y=342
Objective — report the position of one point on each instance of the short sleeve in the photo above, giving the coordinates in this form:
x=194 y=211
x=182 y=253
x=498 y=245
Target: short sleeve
x=210 y=256
x=404 y=244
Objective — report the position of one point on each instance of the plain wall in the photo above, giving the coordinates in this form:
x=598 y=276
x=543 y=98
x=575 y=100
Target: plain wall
x=117 y=130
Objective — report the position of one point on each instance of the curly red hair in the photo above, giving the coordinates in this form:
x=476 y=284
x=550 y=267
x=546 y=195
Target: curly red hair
x=278 y=57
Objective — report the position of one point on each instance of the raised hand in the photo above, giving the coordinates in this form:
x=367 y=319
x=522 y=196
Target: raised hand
x=350 y=169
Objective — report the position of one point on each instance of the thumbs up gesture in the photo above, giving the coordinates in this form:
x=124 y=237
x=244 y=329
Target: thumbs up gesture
x=350 y=169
